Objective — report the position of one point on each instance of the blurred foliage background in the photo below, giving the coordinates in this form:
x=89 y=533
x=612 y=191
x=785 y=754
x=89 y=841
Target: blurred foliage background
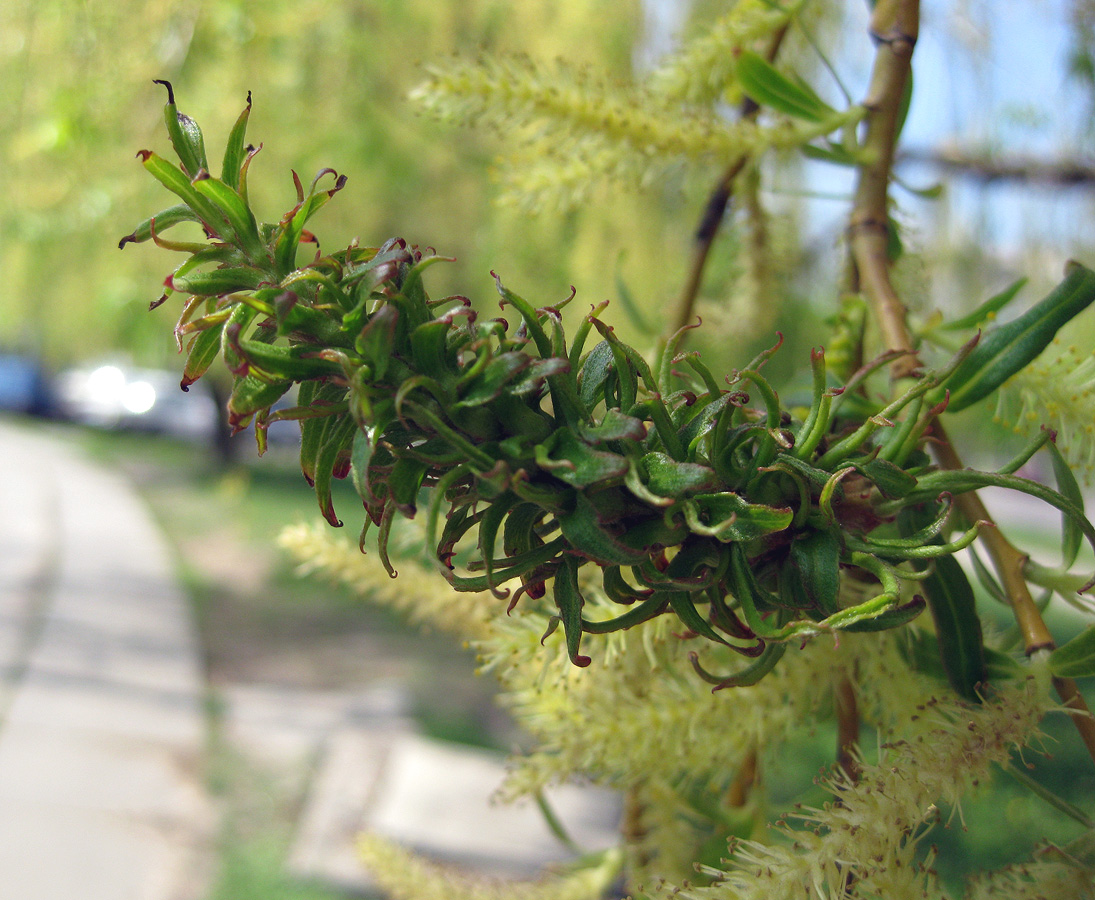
x=330 y=83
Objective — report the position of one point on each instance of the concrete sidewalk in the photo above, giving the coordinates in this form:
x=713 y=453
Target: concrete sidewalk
x=102 y=731
x=101 y=720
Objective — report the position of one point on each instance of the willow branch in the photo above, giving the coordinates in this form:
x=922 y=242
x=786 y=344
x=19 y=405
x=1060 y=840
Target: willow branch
x=846 y=706
x=704 y=239
x=895 y=26
x=744 y=781
x=988 y=168
x=633 y=831
x=1009 y=562
x=714 y=213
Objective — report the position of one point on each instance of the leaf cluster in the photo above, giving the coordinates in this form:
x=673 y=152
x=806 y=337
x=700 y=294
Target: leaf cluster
x=547 y=459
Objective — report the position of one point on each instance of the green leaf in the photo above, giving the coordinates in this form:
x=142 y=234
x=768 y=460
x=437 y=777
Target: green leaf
x=235 y=152
x=596 y=369
x=489 y=526
x=251 y=394
x=752 y=598
x=430 y=351
x=988 y=310
x=958 y=481
x=236 y=211
x=285 y=251
x=186 y=136
x=404 y=482
x=751 y=674
x=519 y=534
x=176 y=181
x=489 y=383
x=957 y=627
x=668 y=478
x=1007 y=349
x=582 y=529
x=529 y=315
x=376 y=342
x=337 y=440
x=816 y=558
x=163 y=220
x=892 y=481
x=894 y=617
x=627 y=378
x=832 y=153
x=315 y=395
x=204 y=349
x=1071 y=535
x=572 y=460
x=729 y=517
x=954 y=611
x=615 y=426
x=276 y=363
x=618 y=590
x=364 y=447
x=569 y=600
x=1076 y=659
x=769 y=87
x=999 y=664
x=642 y=612
x=683 y=605
x=217 y=282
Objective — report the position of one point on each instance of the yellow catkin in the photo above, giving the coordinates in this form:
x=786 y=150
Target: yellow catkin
x=565 y=128
x=934 y=756
x=1057 y=391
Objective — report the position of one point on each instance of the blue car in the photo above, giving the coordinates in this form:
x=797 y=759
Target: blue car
x=25 y=387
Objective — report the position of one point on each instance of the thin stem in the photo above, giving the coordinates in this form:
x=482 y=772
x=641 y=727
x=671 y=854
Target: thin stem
x=742 y=785
x=1007 y=559
x=704 y=239
x=847 y=724
x=633 y=832
x=1069 y=692
x=714 y=213
x=1009 y=563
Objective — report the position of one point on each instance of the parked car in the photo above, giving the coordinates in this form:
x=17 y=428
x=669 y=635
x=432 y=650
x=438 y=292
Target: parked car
x=115 y=395
x=112 y=395
x=25 y=385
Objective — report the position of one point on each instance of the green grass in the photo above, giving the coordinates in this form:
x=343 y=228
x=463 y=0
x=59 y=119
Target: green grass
x=256 y=831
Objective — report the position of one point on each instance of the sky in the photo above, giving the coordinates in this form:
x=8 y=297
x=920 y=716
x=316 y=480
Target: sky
x=999 y=82
x=991 y=75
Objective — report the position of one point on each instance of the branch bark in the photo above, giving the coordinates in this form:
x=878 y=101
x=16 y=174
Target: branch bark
x=895 y=26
